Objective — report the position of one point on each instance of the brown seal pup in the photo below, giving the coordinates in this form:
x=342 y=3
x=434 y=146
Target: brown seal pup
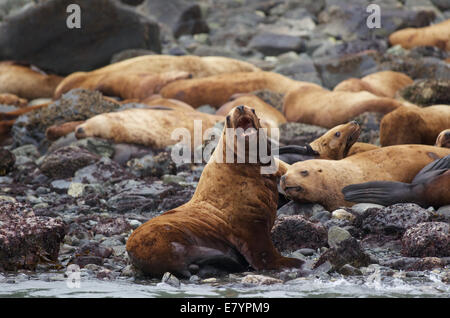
x=126 y=85
x=443 y=139
x=265 y=112
x=414 y=125
x=217 y=90
x=148 y=127
x=434 y=35
x=383 y=84
x=226 y=225
x=26 y=81
x=157 y=64
x=430 y=187
x=321 y=107
x=321 y=181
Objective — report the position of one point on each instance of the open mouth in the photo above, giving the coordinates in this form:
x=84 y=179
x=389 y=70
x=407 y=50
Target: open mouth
x=352 y=139
x=247 y=125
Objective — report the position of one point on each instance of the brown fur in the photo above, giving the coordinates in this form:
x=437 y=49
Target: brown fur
x=217 y=90
x=18 y=112
x=126 y=85
x=229 y=217
x=359 y=147
x=383 y=84
x=26 y=82
x=11 y=99
x=56 y=131
x=336 y=142
x=321 y=181
x=157 y=64
x=435 y=192
x=321 y=107
x=414 y=125
x=434 y=35
x=443 y=139
x=148 y=127
x=265 y=112
x=158 y=100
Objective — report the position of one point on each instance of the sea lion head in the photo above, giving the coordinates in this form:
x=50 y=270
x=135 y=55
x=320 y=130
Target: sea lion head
x=443 y=140
x=302 y=181
x=336 y=143
x=243 y=135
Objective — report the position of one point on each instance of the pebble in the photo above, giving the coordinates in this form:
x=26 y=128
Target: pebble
x=209 y=280
x=171 y=280
x=134 y=224
x=260 y=280
x=341 y=214
x=337 y=235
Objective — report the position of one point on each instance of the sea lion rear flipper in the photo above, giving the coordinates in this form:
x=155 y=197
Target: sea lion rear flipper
x=379 y=192
x=434 y=168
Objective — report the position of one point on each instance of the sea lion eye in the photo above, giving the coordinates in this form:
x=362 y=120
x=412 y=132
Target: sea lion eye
x=253 y=111
x=228 y=120
x=304 y=173
x=338 y=134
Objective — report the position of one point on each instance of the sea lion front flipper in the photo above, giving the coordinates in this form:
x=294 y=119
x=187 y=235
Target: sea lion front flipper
x=291 y=154
x=379 y=192
x=434 y=168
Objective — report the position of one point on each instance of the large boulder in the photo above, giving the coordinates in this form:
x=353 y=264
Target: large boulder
x=27 y=239
x=39 y=34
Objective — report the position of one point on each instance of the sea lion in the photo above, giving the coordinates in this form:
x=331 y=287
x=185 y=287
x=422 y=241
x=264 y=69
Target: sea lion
x=383 y=84
x=264 y=111
x=430 y=187
x=56 y=131
x=321 y=181
x=11 y=99
x=225 y=226
x=157 y=64
x=26 y=81
x=443 y=139
x=158 y=100
x=321 y=107
x=434 y=35
x=148 y=127
x=337 y=143
x=414 y=125
x=217 y=90
x=127 y=85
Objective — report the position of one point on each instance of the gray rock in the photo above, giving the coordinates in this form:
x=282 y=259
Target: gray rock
x=149 y=165
x=103 y=170
x=294 y=208
x=171 y=280
x=260 y=280
x=302 y=69
x=429 y=239
x=349 y=270
x=336 y=235
x=27 y=151
x=299 y=134
x=275 y=44
x=291 y=233
x=427 y=92
x=90 y=46
x=443 y=5
x=64 y=162
x=361 y=208
x=395 y=219
x=181 y=16
x=444 y=213
x=306 y=251
x=97 y=146
x=322 y=217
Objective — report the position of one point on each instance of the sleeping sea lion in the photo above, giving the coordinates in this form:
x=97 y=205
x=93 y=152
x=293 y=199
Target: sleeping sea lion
x=321 y=107
x=321 y=181
x=414 y=125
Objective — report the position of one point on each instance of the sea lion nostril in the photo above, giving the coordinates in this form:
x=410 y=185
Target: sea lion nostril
x=80 y=131
x=241 y=108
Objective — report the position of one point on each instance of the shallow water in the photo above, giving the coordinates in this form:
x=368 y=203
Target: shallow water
x=368 y=286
